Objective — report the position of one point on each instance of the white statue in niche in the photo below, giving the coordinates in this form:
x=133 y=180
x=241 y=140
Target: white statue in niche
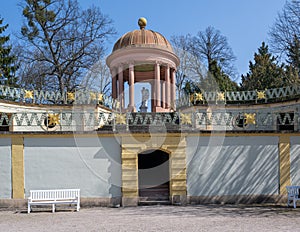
x=145 y=97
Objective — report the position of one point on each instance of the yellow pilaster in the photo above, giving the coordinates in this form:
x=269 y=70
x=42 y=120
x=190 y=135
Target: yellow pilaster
x=17 y=165
x=178 y=169
x=129 y=174
x=284 y=163
x=133 y=145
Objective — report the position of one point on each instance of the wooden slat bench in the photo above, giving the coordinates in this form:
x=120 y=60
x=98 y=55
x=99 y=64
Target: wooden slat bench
x=54 y=197
x=293 y=195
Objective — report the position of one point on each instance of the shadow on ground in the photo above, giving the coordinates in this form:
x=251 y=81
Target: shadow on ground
x=215 y=210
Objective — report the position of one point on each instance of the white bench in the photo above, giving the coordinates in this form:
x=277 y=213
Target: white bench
x=293 y=195
x=53 y=197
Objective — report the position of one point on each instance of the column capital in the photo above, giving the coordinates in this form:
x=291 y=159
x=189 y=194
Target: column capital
x=113 y=71
x=157 y=62
x=131 y=65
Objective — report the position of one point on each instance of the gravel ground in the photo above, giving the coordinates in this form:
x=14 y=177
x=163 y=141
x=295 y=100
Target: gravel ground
x=156 y=218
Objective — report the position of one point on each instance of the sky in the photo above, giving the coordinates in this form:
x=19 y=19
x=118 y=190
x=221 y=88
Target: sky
x=245 y=23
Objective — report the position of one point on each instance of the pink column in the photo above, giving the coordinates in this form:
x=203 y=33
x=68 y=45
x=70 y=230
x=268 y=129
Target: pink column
x=173 y=88
x=163 y=94
x=121 y=86
x=131 y=86
x=168 y=90
x=153 y=103
x=157 y=85
x=114 y=82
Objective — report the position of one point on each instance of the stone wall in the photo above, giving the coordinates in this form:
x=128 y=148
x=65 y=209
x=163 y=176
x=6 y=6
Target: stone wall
x=232 y=165
x=202 y=165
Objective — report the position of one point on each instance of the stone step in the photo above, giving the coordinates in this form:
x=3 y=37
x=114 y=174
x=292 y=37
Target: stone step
x=161 y=202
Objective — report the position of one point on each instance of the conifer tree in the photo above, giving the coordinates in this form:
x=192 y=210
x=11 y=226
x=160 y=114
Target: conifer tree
x=214 y=80
x=217 y=80
x=7 y=61
x=264 y=72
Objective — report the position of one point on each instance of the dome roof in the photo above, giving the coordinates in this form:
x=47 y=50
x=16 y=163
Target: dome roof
x=143 y=38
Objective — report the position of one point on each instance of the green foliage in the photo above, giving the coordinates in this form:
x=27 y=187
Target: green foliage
x=264 y=73
x=206 y=62
x=191 y=87
x=215 y=81
x=7 y=61
x=38 y=15
x=222 y=81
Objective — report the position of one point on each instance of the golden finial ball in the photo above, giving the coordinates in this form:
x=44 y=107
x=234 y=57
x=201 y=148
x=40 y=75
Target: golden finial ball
x=142 y=22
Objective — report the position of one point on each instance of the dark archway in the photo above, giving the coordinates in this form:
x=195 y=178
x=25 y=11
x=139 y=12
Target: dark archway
x=154 y=175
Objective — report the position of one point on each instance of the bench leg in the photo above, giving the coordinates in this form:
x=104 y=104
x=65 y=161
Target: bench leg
x=53 y=208
x=78 y=207
x=28 y=210
x=294 y=203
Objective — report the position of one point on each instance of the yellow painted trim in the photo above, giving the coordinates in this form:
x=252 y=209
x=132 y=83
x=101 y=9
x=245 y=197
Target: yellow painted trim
x=129 y=174
x=173 y=144
x=240 y=134
x=284 y=163
x=56 y=135
x=140 y=135
x=17 y=168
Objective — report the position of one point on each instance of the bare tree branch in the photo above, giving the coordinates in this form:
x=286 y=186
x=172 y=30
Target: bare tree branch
x=62 y=41
x=285 y=28
x=210 y=45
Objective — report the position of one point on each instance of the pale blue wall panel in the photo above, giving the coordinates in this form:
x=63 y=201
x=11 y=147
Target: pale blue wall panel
x=242 y=165
x=5 y=168
x=295 y=160
x=91 y=164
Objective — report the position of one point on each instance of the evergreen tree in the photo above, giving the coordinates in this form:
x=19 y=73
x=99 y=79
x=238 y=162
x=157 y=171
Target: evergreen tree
x=191 y=87
x=214 y=81
x=217 y=80
x=264 y=73
x=223 y=81
x=7 y=61
x=291 y=76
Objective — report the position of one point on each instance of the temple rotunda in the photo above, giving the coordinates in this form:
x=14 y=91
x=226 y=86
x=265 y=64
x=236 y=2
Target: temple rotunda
x=144 y=56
